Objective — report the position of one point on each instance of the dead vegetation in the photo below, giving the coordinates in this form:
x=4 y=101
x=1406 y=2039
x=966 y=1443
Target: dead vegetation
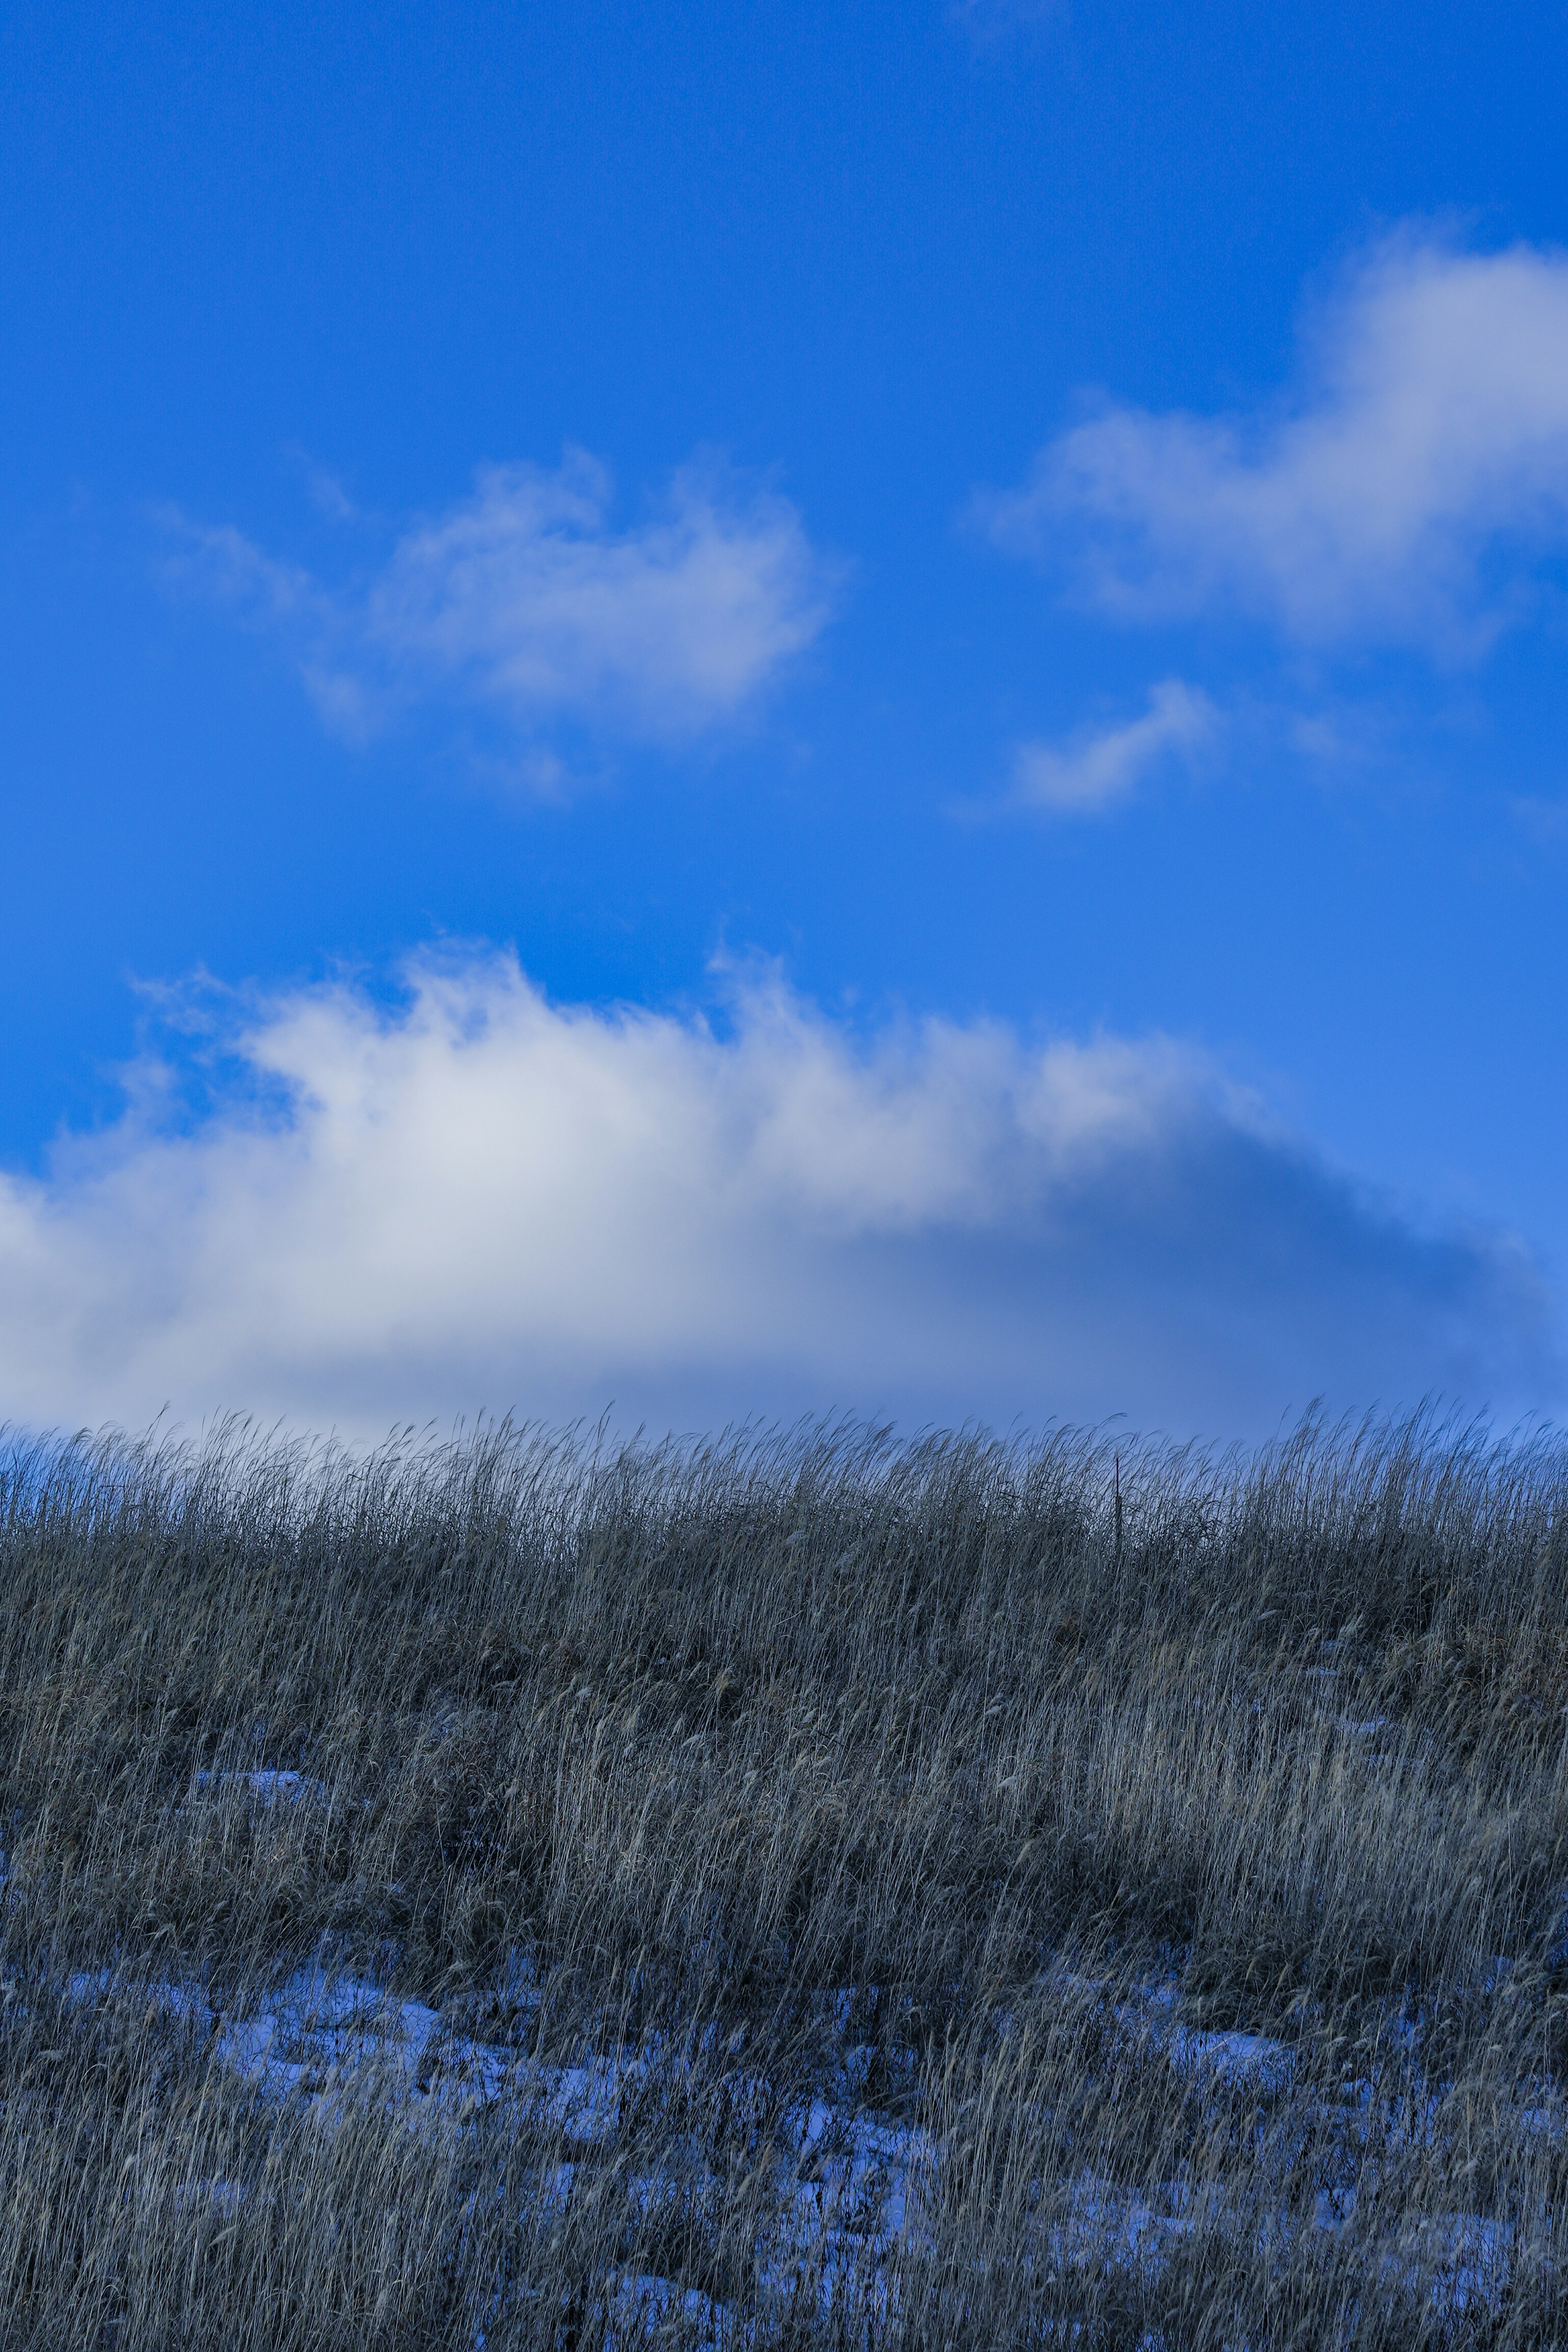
x=970 y=1801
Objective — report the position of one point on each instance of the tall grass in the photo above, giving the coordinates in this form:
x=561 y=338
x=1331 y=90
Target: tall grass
x=858 y=1860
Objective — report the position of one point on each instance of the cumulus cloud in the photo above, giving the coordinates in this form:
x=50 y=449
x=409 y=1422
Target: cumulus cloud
x=1097 y=767
x=1399 y=491
x=482 y=1199
x=526 y=599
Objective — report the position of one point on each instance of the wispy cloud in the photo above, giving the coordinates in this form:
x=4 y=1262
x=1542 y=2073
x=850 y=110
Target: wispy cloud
x=526 y=599
x=1094 y=769
x=1400 y=491
x=485 y=1198
x=989 y=22
x=1545 y=821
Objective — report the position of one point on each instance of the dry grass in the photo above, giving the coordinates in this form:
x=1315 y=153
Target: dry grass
x=897 y=1784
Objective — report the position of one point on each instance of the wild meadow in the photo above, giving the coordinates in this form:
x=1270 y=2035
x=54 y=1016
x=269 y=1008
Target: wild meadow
x=799 y=1890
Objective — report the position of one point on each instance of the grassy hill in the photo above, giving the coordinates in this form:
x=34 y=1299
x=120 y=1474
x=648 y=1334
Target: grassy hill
x=794 y=1890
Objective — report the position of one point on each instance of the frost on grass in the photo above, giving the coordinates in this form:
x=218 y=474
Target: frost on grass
x=791 y=1890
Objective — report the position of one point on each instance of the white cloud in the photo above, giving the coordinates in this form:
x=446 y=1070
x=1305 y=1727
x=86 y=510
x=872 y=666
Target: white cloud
x=524 y=598
x=485 y=1200
x=1097 y=767
x=1400 y=492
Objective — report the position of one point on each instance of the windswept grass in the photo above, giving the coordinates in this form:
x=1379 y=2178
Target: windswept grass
x=787 y=1891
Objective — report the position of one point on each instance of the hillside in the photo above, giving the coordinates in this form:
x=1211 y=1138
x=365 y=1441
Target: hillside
x=800 y=1889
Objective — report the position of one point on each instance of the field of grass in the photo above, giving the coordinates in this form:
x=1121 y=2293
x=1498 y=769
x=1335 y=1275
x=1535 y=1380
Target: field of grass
x=806 y=1891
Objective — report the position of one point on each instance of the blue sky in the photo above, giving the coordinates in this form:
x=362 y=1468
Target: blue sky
x=774 y=710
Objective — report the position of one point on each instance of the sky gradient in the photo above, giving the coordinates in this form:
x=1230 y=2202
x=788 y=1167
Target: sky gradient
x=823 y=709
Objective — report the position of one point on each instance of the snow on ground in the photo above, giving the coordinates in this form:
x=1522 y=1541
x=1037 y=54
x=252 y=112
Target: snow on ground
x=848 y=2193
x=845 y=2200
